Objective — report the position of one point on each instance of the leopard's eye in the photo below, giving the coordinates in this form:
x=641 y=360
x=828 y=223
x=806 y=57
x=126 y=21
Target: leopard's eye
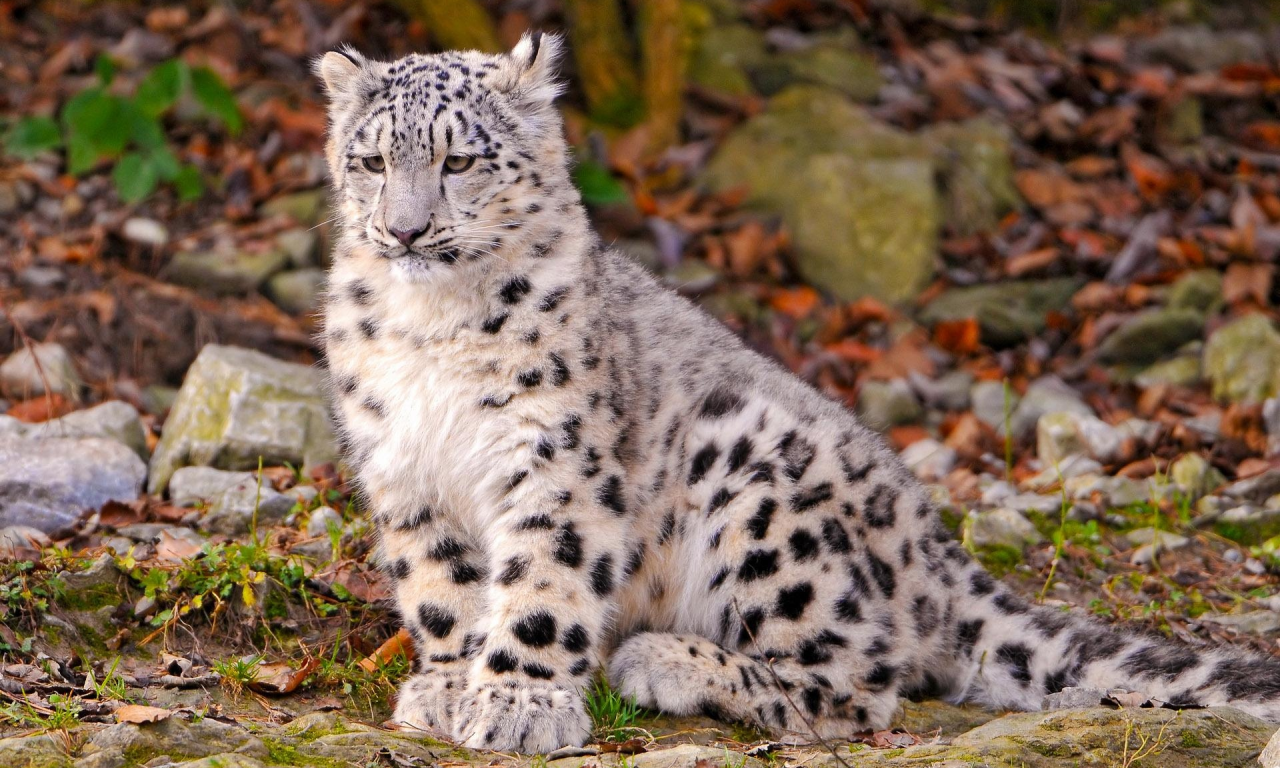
x=374 y=164
x=458 y=163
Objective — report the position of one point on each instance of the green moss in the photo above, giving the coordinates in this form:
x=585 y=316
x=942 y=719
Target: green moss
x=1190 y=740
x=280 y=753
x=999 y=559
x=90 y=599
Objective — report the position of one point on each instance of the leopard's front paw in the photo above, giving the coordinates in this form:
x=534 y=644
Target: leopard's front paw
x=429 y=700
x=529 y=717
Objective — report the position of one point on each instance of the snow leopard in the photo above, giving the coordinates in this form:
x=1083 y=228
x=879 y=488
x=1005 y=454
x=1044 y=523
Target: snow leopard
x=574 y=471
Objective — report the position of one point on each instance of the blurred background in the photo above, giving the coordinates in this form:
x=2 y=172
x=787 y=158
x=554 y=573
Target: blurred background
x=1034 y=242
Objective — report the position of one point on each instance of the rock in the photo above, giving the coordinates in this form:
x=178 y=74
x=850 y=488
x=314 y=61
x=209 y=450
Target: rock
x=1270 y=757
x=223 y=760
x=101 y=573
x=1047 y=394
x=237 y=405
x=1242 y=360
x=229 y=497
x=112 y=420
x=144 y=231
x=1116 y=491
x=41 y=278
x=857 y=195
x=297 y=291
x=322 y=520
x=1195 y=476
x=307 y=208
x=1066 y=468
x=1072 y=697
x=40 y=750
x=1148 y=336
x=22 y=542
x=948 y=392
x=302 y=246
x=1180 y=371
x=1033 y=502
x=884 y=404
x=692 y=277
x=158 y=399
x=1162 y=539
x=225 y=272
x=991 y=401
x=1062 y=434
x=1271 y=420
x=1181 y=123
x=1007 y=312
x=1248 y=623
x=1199 y=48
x=723 y=57
x=1200 y=290
x=1256 y=489
x=929 y=459
x=27 y=372
x=999 y=527
x=48 y=484
x=975 y=159
x=176 y=736
x=735 y=59
x=690 y=755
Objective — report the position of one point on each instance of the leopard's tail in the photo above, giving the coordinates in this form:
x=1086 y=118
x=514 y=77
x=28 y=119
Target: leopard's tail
x=1011 y=654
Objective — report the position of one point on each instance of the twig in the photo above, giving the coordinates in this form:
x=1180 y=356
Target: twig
x=783 y=689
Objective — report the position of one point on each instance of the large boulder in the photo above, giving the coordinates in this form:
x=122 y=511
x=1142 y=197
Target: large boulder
x=49 y=483
x=237 y=407
x=1242 y=360
x=858 y=195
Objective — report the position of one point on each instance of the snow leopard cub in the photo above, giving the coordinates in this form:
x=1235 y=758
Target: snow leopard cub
x=571 y=466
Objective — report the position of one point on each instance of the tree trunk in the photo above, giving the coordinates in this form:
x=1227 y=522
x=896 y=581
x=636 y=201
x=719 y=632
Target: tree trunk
x=662 y=52
x=606 y=61
x=455 y=24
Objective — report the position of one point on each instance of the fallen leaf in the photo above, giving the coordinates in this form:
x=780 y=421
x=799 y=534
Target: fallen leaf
x=280 y=678
x=959 y=337
x=172 y=549
x=1248 y=282
x=399 y=644
x=139 y=714
x=795 y=302
x=42 y=408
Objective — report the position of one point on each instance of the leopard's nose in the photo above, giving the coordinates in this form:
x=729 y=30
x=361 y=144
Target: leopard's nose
x=407 y=236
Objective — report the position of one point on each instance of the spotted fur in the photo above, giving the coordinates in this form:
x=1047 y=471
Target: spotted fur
x=571 y=466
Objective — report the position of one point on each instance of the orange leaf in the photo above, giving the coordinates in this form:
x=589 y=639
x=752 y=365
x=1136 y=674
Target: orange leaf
x=959 y=337
x=280 y=678
x=41 y=408
x=854 y=351
x=399 y=644
x=795 y=302
x=139 y=714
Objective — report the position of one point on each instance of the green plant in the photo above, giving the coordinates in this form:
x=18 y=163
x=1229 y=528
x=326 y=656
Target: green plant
x=597 y=185
x=236 y=674
x=99 y=123
x=613 y=717
x=1008 y=430
x=62 y=713
x=112 y=687
x=26 y=590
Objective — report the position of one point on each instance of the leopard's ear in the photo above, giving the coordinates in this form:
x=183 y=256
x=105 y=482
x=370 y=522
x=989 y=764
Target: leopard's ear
x=341 y=71
x=529 y=73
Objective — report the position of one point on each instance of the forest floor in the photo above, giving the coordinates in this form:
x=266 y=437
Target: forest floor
x=1088 y=379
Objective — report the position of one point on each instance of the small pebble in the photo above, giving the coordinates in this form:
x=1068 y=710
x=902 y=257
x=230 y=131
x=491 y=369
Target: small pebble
x=145 y=231
x=1255 y=566
x=1232 y=556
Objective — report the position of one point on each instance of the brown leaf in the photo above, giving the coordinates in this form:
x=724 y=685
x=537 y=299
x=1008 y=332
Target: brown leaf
x=906 y=356
x=1248 y=282
x=172 y=549
x=399 y=644
x=41 y=408
x=1032 y=262
x=629 y=747
x=118 y=514
x=140 y=714
x=958 y=337
x=795 y=302
x=280 y=678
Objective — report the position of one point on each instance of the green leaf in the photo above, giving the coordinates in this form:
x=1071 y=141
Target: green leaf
x=597 y=185
x=105 y=68
x=216 y=98
x=188 y=183
x=100 y=119
x=144 y=129
x=82 y=155
x=162 y=87
x=165 y=162
x=135 y=177
x=32 y=135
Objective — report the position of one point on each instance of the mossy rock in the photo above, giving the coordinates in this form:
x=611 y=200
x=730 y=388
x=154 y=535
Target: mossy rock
x=1006 y=312
x=1242 y=359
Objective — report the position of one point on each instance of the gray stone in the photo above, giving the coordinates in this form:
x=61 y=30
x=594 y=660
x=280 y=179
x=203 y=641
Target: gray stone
x=19 y=541
x=999 y=527
x=112 y=420
x=102 y=572
x=1163 y=539
x=1067 y=467
x=1116 y=491
x=1062 y=434
x=857 y=195
x=158 y=399
x=1271 y=420
x=929 y=459
x=1180 y=371
x=1248 y=623
x=225 y=272
x=1200 y=48
x=991 y=401
x=948 y=392
x=1072 y=697
x=322 y=520
x=297 y=291
x=975 y=159
x=1033 y=502
x=1200 y=290
x=1047 y=394
x=33 y=371
x=178 y=739
x=229 y=498
x=1007 y=312
x=884 y=404
x=144 y=231
x=223 y=760
x=691 y=277
x=237 y=406
x=49 y=483
x=42 y=750
x=1270 y=757
x=1194 y=475
x=307 y=208
x=1256 y=489
x=1148 y=336
x=1242 y=360
x=302 y=246
x=691 y=755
